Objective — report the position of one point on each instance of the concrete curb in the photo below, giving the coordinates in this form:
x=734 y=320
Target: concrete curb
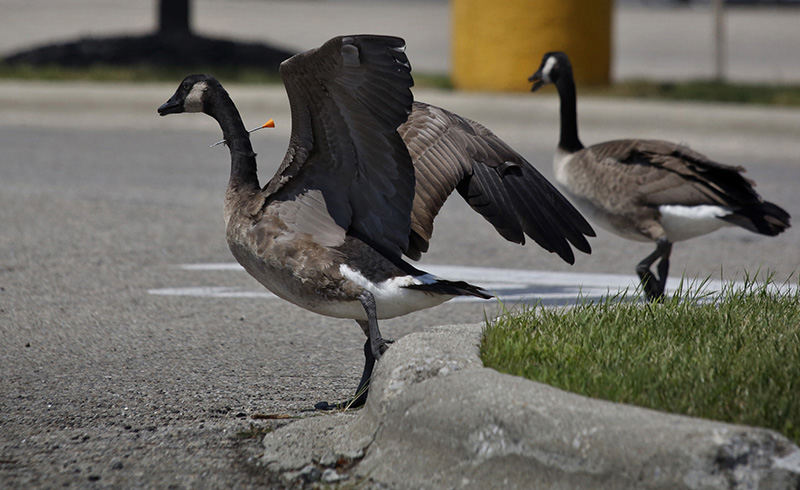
x=436 y=418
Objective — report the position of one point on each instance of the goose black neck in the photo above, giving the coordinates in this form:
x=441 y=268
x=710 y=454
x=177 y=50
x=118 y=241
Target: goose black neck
x=568 y=139
x=243 y=160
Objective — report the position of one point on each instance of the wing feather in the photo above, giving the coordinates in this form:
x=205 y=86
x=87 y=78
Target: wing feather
x=669 y=173
x=347 y=99
x=451 y=152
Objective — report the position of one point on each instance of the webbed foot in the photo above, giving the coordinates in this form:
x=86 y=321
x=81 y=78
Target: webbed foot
x=356 y=402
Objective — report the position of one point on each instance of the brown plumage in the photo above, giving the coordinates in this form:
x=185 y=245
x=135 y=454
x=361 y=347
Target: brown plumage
x=451 y=152
x=650 y=190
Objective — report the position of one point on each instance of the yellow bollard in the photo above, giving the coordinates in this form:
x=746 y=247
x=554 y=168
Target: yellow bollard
x=497 y=44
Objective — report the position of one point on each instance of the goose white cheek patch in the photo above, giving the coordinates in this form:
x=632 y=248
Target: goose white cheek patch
x=548 y=67
x=194 y=101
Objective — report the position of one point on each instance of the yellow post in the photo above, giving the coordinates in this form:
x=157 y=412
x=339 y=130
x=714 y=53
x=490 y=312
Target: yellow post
x=497 y=44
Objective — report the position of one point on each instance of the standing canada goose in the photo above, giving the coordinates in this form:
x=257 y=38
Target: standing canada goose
x=328 y=231
x=650 y=190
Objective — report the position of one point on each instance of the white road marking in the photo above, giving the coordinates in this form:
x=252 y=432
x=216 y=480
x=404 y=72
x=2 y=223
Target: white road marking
x=510 y=285
x=212 y=292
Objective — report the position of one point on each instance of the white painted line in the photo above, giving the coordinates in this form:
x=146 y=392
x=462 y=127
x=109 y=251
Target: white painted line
x=212 y=292
x=510 y=285
x=212 y=266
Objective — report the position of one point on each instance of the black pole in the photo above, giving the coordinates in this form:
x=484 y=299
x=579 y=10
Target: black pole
x=173 y=17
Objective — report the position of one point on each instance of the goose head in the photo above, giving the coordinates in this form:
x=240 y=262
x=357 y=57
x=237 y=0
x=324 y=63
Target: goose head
x=194 y=94
x=554 y=64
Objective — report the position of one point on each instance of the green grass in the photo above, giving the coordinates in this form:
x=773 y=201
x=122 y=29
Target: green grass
x=702 y=91
x=733 y=359
x=692 y=90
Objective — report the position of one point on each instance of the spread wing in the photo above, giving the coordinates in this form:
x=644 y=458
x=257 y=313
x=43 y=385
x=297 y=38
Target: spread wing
x=669 y=173
x=347 y=99
x=451 y=152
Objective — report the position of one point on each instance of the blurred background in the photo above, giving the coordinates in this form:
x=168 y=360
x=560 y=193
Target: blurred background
x=464 y=40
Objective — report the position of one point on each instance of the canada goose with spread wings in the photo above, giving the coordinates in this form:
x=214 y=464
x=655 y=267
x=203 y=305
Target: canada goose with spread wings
x=650 y=190
x=327 y=232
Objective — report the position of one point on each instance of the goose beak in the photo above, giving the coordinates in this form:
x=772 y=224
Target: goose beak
x=536 y=80
x=172 y=106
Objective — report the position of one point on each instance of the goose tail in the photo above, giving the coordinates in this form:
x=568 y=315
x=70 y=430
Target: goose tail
x=765 y=218
x=451 y=288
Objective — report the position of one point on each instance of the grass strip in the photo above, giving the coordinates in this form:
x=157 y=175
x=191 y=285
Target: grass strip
x=733 y=358
x=702 y=91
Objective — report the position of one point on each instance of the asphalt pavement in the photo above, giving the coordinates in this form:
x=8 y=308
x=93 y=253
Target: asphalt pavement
x=102 y=202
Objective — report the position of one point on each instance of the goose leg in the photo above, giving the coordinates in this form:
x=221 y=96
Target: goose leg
x=663 y=267
x=378 y=344
x=654 y=287
x=363 y=386
x=369 y=364
x=374 y=348
x=360 y=397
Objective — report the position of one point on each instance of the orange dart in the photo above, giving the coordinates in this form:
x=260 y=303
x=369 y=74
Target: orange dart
x=268 y=124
